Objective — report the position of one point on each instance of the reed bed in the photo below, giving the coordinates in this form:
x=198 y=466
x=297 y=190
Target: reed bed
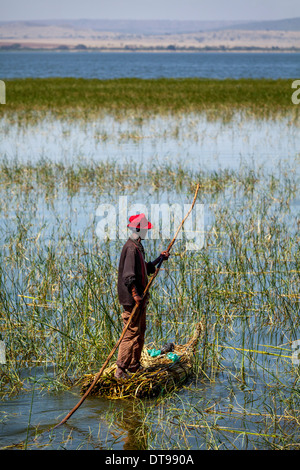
x=29 y=99
x=59 y=309
x=100 y=177
x=54 y=281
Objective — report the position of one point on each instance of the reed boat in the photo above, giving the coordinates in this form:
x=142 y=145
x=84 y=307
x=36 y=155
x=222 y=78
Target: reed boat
x=160 y=374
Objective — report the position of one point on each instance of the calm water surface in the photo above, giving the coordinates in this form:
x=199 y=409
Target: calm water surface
x=149 y=65
x=192 y=142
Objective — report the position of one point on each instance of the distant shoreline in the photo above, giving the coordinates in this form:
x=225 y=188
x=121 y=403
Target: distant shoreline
x=151 y=36
x=61 y=49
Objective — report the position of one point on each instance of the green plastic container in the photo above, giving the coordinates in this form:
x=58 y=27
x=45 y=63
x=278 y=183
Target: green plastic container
x=173 y=356
x=154 y=352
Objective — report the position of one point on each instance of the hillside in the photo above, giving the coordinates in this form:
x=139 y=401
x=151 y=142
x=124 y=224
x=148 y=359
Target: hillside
x=118 y=35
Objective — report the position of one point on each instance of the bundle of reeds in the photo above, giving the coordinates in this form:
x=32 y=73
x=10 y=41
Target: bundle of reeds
x=159 y=375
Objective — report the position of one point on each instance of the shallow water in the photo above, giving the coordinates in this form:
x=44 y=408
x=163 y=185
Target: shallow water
x=192 y=141
x=198 y=415
x=219 y=406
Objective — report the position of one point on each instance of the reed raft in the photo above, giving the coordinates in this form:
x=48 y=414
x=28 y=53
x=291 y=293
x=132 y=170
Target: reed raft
x=160 y=374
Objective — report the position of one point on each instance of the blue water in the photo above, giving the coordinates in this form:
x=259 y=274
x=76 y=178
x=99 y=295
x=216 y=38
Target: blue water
x=149 y=65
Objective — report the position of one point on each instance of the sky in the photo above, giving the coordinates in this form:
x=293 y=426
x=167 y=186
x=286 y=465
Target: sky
x=214 y=10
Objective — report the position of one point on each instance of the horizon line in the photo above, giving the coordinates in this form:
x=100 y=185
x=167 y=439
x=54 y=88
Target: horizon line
x=149 y=19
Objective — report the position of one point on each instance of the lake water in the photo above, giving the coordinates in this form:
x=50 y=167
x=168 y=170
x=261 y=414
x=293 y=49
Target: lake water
x=27 y=419
x=193 y=142
x=149 y=65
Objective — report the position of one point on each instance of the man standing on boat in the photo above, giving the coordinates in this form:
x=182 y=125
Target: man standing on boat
x=132 y=280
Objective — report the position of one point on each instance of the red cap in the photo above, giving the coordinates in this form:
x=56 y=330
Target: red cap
x=139 y=221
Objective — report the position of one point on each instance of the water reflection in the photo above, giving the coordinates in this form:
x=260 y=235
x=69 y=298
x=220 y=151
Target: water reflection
x=131 y=427
x=191 y=140
x=27 y=421
x=243 y=381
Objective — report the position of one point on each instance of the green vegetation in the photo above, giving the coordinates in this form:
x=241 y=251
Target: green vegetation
x=59 y=315
x=80 y=98
x=59 y=309
x=109 y=176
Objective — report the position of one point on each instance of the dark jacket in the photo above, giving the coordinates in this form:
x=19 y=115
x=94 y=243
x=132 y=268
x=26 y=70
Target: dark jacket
x=133 y=270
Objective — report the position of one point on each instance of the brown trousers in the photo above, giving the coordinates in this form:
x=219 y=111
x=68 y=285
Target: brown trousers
x=131 y=346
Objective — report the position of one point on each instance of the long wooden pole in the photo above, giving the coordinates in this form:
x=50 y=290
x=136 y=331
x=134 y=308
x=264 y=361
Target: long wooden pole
x=136 y=307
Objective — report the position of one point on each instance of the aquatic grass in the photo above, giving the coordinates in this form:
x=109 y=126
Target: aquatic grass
x=71 y=98
x=105 y=176
x=59 y=309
